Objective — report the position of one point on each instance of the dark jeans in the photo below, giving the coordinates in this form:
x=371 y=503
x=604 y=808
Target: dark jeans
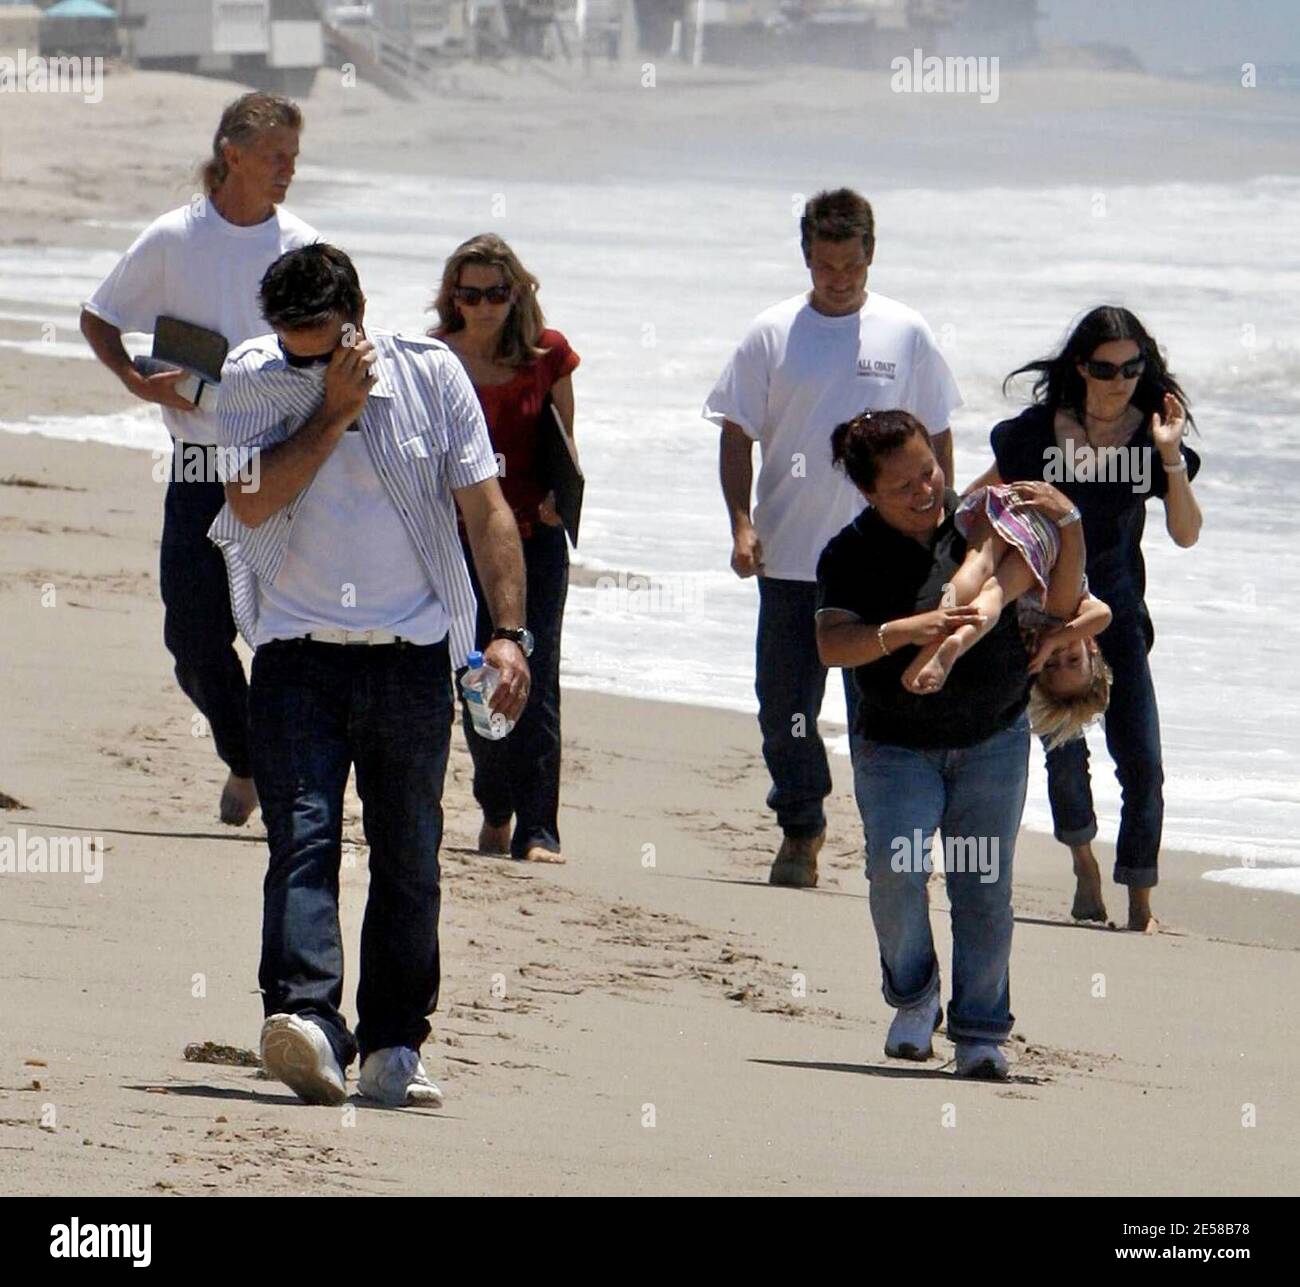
x=198 y=625
x=1133 y=739
x=519 y=775
x=790 y=682
x=316 y=710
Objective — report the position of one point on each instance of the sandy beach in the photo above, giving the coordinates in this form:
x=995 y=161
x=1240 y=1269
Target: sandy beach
x=749 y=1018
x=652 y=1017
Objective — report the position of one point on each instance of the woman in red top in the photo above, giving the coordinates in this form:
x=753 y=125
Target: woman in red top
x=489 y=317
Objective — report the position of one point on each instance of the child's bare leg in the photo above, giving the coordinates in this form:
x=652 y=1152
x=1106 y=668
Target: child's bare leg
x=929 y=670
x=984 y=549
x=1013 y=573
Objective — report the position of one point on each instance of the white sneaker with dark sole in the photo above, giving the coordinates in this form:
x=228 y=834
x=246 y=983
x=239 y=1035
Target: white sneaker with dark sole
x=297 y=1052
x=981 y=1060
x=396 y=1077
x=910 y=1033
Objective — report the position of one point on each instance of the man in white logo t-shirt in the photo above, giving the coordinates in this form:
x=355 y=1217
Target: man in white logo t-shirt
x=202 y=264
x=806 y=365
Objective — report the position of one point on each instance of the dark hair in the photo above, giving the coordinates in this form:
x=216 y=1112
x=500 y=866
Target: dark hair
x=241 y=122
x=858 y=445
x=310 y=285
x=1059 y=384
x=841 y=215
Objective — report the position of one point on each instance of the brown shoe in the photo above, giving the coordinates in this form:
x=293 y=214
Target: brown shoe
x=796 y=862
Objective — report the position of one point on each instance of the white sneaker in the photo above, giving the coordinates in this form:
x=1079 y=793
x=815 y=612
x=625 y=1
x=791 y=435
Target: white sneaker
x=396 y=1077
x=982 y=1060
x=297 y=1052
x=909 y=1034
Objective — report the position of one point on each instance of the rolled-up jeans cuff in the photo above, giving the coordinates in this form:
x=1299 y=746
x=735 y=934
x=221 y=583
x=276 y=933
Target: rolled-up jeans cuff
x=1077 y=835
x=1136 y=877
x=900 y=1001
x=979 y=1029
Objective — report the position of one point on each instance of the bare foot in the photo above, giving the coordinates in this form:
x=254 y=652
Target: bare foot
x=1088 y=904
x=539 y=853
x=928 y=675
x=494 y=840
x=1140 y=919
x=238 y=800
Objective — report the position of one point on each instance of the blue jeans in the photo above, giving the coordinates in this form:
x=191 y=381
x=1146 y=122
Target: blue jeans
x=519 y=776
x=316 y=710
x=198 y=624
x=1133 y=739
x=790 y=681
x=975 y=796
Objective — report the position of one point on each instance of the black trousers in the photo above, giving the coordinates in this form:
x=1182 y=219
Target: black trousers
x=198 y=624
x=519 y=775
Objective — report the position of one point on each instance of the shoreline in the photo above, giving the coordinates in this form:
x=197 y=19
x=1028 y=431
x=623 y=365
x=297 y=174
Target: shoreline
x=1211 y=859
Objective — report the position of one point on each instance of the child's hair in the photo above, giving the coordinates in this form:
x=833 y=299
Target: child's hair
x=1059 y=718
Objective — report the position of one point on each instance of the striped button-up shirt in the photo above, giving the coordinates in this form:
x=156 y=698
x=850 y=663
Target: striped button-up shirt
x=425 y=432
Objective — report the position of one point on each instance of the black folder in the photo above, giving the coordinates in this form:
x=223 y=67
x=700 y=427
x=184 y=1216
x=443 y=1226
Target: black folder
x=560 y=469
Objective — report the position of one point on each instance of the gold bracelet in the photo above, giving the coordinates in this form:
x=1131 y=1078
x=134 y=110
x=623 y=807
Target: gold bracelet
x=880 y=639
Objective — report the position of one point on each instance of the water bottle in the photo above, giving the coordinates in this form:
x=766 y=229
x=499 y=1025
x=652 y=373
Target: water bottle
x=478 y=683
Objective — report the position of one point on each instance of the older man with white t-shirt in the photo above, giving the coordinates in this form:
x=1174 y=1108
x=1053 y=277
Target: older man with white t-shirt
x=806 y=365
x=201 y=264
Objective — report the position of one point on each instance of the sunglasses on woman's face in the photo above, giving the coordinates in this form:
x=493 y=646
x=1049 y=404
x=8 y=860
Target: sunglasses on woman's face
x=1129 y=370
x=473 y=296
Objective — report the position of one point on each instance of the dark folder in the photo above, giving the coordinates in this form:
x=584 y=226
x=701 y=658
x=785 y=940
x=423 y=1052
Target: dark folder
x=195 y=348
x=561 y=470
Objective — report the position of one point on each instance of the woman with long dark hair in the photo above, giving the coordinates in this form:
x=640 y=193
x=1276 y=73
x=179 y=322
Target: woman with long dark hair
x=1106 y=427
x=490 y=318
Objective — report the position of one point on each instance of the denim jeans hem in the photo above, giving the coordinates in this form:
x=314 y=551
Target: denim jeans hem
x=993 y=1033
x=900 y=1002
x=393 y=1042
x=1078 y=835
x=1136 y=877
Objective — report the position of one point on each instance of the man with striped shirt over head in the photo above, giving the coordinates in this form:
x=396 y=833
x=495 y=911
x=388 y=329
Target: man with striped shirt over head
x=348 y=580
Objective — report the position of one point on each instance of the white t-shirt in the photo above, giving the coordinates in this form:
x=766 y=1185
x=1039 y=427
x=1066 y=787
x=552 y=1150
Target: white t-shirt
x=796 y=375
x=349 y=564
x=194 y=265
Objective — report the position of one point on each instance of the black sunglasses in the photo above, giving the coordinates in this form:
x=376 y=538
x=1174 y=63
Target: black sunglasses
x=1130 y=370
x=316 y=359
x=473 y=295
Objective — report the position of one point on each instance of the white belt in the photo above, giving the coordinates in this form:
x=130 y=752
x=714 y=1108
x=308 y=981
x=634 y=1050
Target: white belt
x=354 y=637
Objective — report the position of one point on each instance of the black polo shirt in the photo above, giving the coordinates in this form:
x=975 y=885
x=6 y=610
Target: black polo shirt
x=879 y=575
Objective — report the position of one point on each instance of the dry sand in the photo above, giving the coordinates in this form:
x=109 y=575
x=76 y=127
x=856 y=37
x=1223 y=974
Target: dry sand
x=581 y=1003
